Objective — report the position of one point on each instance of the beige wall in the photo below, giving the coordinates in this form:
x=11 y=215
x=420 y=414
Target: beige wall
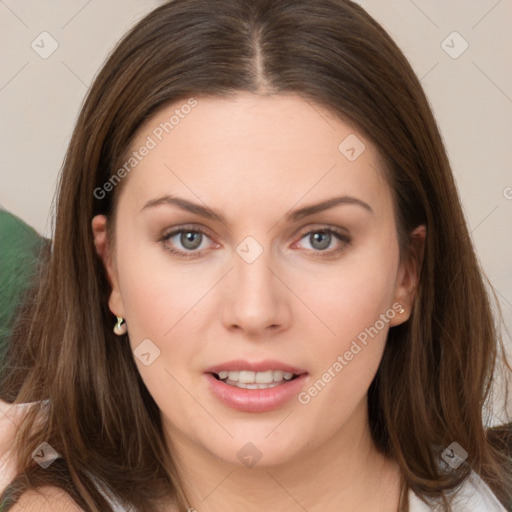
x=471 y=95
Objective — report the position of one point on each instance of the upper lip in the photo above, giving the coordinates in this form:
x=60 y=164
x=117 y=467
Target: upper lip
x=255 y=366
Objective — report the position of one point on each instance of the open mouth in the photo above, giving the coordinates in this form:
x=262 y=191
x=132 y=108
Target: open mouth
x=247 y=390
x=255 y=380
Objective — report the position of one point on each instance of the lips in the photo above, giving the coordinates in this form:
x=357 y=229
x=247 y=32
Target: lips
x=251 y=386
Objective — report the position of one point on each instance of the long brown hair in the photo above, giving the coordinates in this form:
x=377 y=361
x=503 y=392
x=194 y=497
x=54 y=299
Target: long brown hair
x=437 y=368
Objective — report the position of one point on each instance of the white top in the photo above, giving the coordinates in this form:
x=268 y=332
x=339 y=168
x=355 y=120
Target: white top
x=473 y=496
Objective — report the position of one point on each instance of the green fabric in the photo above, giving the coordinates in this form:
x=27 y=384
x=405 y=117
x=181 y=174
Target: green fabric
x=19 y=249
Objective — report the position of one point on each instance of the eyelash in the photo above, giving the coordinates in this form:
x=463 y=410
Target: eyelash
x=342 y=237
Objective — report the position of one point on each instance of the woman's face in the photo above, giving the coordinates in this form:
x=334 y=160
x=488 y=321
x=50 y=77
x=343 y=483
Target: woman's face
x=255 y=233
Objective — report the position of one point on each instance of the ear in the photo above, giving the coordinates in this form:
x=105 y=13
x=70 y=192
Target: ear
x=99 y=229
x=408 y=275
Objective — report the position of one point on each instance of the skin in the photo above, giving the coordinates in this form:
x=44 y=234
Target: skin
x=253 y=158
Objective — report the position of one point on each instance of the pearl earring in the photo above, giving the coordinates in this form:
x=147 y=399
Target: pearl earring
x=120 y=327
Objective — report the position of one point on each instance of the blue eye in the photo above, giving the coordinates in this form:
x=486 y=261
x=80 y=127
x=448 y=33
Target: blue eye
x=191 y=240
x=321 y=239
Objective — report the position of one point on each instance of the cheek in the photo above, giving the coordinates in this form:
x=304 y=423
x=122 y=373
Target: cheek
x=157 y=301
x=156 y=293
x=351 y=295
x=355 y=307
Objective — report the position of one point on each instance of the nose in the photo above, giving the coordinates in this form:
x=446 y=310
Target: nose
x=256 y=299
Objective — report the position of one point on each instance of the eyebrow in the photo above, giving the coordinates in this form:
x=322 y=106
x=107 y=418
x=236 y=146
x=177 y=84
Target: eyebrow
x=291 y=216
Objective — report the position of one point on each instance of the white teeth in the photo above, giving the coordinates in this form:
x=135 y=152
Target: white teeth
x=278 y=375
x=265 y=377
x=246 y=377
x=251 y=378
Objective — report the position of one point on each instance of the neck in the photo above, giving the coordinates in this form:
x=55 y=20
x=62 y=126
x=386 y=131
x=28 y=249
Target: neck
x=345 y=473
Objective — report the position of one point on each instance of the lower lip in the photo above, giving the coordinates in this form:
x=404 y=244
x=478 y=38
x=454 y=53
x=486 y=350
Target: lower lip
x=255 y=400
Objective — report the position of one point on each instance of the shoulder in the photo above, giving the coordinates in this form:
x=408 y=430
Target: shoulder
x=11 y=416
x=46 y=499
x=473 y=494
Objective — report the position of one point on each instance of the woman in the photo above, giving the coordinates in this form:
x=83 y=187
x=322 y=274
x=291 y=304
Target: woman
x=254 y=299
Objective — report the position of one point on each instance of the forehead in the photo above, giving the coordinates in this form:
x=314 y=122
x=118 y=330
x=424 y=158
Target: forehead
x=248 y=147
